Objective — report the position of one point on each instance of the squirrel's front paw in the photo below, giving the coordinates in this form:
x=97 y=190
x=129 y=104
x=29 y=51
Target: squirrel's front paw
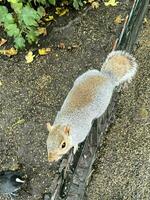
x=75 y=149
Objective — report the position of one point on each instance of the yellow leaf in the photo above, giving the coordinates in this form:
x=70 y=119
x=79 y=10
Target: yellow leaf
x=111 y=3
x=95 y=5
x=29 y=57
x=118 y=20
x=85 y=2
x=44 y=51
x=49 y=18
x=61 y=11
x=90 y=1
x=42 y=31
x=2 y=41
x=1 y=83
x=9 y=52
x=145 y=20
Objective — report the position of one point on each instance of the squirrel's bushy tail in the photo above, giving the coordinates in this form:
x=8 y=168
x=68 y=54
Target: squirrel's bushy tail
x=120 y=65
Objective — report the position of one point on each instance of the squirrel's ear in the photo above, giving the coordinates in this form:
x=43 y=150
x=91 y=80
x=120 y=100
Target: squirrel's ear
x=67 y=130
x=49 y=126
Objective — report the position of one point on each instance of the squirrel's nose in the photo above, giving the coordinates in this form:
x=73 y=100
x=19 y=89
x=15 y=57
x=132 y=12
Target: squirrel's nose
x=52 y=157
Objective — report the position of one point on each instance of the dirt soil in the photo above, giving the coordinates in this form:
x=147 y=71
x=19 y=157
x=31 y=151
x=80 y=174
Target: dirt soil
x=32 y=94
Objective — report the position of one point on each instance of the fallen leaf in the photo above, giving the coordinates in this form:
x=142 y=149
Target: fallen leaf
x=42 y=31
x=111 y=3
x=49 y=18
x=69 y=48
x=20 y=121
x=61 y=45
x=2 y=41
x=73 y=46
x=1 y=83
x=145 y=20
x=118 y=20
x=85 y=2
x=29 y=57
x=90 y=1
x=9 y=52
x=95 y=5
x=61 y=11
x=44 y=51
x=15 y=166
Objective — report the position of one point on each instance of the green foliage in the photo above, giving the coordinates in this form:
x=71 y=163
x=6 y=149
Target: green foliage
x=21 y=22
x=77 y=4
x=11 y=27
x=53 y=2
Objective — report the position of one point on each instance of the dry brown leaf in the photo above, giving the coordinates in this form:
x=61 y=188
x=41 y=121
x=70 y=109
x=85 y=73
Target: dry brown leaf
x=73 y=46
x=2 y=41
x=61 y=45
x=118 y=20
x=44 y=51
x=42 y=31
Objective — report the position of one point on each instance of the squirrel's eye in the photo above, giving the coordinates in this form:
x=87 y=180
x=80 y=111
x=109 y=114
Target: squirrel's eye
x=63 y=145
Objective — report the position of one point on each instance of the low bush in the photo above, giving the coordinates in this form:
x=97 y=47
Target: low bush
x=21 y=19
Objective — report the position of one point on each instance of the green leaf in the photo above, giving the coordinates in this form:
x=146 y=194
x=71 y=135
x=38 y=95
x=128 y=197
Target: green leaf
x=80 y=3
x=53 y=2
x=13 y=1
x=41 y=11
x=77 y=4
x=3 y=13
x=17 y=7
x=12 y=30
x=30 y=16
x=9 y=19
x=41 y=2
x=32 y=36
x=19 y=42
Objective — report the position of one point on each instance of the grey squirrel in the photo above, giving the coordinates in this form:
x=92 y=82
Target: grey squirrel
x=86 y=101
x=10 y=182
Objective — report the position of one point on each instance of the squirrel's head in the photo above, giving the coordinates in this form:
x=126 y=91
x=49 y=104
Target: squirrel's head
x=58 y=141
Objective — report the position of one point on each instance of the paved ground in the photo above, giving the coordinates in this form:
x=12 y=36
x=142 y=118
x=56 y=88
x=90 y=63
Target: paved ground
x=31 y=95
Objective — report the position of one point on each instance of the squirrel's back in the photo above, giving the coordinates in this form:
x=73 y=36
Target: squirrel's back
x=84 y=91
x=87 y=100
x=95 y=86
